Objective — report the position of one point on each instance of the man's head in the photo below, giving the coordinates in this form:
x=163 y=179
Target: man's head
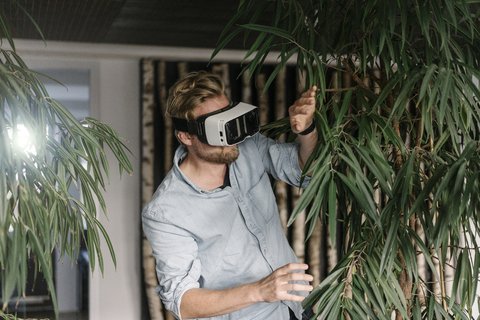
x=191 y=91
x=195 y=94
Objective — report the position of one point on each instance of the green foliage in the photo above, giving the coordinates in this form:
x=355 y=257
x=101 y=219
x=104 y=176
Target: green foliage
x=37 y=212
x=398 y=146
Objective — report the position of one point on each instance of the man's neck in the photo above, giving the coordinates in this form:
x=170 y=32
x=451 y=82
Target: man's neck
x=206 y=175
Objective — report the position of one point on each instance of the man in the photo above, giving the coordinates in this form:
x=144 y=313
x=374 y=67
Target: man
x=213 y=223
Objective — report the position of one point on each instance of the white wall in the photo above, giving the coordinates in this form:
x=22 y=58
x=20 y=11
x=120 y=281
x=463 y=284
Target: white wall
x=117 y=295
x=115 y=100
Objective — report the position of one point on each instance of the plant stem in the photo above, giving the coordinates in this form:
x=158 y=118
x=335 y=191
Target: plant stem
x=442 y=275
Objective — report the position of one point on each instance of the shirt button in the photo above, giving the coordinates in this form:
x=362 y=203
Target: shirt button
x=265 y=251
x=251 y=225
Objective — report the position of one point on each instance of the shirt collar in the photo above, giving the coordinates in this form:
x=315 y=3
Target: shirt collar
x=180 y=155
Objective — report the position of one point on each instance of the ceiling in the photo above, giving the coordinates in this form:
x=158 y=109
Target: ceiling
x=172 y=23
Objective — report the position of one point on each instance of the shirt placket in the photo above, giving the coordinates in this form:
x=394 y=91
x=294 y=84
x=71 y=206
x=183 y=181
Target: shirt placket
x=254 y=229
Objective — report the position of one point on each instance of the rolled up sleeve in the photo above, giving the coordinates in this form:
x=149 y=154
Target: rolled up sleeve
x=175 y=252
x=280 y=159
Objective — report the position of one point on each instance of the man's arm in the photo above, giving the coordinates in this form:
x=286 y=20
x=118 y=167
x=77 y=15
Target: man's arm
x=204 y=303
x=301 y=117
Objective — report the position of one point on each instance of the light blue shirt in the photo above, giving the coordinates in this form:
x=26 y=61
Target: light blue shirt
x=226 y=237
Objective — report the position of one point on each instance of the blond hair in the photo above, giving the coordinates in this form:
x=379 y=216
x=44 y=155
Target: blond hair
x=191 y=91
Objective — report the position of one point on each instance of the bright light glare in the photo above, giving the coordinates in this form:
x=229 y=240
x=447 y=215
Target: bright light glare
x=22 y=140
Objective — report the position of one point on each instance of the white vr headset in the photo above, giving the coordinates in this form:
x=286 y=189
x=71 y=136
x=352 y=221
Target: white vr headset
x=225 y=127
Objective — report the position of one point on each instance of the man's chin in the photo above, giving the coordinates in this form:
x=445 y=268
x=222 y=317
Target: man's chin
x=231 y=154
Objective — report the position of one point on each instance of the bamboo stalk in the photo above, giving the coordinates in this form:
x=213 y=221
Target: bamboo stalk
x=298 y=234
x=246 y=90
x=440 y=249
x=223 y=72
x=280 y=112
x=169 y=132
x=148 y=161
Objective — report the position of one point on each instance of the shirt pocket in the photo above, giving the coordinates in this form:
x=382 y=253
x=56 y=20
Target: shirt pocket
x=262 y=198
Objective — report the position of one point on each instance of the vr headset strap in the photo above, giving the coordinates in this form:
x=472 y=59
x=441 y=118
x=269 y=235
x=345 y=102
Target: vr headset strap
x=191 y=127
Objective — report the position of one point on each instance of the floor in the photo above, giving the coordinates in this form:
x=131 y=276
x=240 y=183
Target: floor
x=41 y=315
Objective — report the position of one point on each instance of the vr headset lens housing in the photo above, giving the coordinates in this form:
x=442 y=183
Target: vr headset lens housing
x=225 y=127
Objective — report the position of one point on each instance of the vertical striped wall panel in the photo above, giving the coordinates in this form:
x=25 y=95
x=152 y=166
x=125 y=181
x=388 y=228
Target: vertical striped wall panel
x=159 y=145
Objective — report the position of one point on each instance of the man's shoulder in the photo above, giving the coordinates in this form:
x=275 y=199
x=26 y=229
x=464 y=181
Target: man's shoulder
x=167 y=196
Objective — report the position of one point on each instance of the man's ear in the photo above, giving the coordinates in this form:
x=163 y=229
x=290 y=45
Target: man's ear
x=185 y=137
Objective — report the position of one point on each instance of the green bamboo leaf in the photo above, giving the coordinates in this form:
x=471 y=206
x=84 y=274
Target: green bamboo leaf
x=389 y=286
x=388 y=130
x=426 y=82
x=410 y=256
x=445 y=95
x=375 y=170
x=316 y=206
x=359 y=301
x=429 y=185
x=426 y=253
x=320 y=72
x=30 y=18
x=358 y=311
x=11 y=266
x=325 y=312
x=351 y=160
x=332 y=211
x=431 y=308
x=3 y=199
x=360 y=196
x=476 y=271
x=390 y=249
x=108 y=241
x=278 y=13
x=458 y=312
x=378 y=305
x=373 y=281
x=313 y=297
x=344 y=108
x=37 y=248
x=405 y=92
x=255 y=45
x=308 y=63
x=221 y=45
x=280 y=66
x=272 y=30
x=241 y=11
x=307 y=195
x=416 y=310
x=440 y=312
x=464 y=280
x=386 y=91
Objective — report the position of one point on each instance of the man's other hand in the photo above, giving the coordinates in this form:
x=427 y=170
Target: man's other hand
x=275 y=287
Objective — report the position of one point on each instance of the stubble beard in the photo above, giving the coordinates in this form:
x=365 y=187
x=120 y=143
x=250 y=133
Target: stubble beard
x=218 y=155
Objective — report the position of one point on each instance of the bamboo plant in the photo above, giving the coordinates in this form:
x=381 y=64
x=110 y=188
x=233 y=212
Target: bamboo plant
x=37 y=212
x=398 y=158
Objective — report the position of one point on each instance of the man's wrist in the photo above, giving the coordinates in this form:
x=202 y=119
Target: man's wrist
x=308 y=130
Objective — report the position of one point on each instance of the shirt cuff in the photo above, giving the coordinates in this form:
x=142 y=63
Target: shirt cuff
x=294 y=160
x=189 y=282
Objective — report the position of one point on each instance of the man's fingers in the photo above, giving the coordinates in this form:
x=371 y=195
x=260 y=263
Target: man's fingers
x=294 y=266
x=295 y=287
x=294 y=297
x=300 y=287
x=298 y=276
